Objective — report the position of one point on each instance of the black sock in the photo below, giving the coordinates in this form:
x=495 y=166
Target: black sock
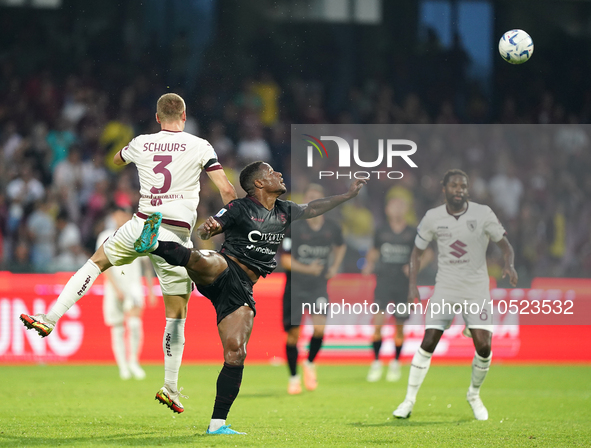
x=228 y=386
x=173 y=253
x=377 y=345
x=398 y=350
x=292 y=358
x=315 y=344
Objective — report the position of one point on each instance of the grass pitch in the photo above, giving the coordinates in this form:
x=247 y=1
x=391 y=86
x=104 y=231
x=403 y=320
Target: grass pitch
x=529 y=406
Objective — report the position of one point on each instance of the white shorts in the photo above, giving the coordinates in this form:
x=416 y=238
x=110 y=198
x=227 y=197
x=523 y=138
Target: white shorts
x=114 y=309
x=443 y=308
x=174 y=280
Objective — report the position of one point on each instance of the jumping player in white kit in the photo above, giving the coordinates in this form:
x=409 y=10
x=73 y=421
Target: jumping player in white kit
x=169 y=165
x=462 y=230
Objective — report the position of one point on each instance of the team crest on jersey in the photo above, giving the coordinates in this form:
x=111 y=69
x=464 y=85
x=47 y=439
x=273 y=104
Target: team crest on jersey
x=221 y=212
x=471 y=225
x=283 y=218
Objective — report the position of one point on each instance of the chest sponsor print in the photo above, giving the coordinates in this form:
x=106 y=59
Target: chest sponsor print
x=458 y=249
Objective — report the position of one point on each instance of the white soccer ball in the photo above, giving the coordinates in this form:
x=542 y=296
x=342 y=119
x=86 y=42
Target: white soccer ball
x=516 y=46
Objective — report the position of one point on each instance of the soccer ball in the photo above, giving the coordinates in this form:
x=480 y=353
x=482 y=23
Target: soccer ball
x=516 y=46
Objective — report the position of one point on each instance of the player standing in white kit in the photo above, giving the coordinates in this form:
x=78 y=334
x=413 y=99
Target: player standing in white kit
x=169 y=165
x=123 y=302
x=462 y=230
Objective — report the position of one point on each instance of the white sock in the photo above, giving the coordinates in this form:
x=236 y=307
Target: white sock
x=216 y=423
x=480 y=368
x=118 y=346
x=173 y=345
x=76 y=287
x=136 y=333
x=418 y=370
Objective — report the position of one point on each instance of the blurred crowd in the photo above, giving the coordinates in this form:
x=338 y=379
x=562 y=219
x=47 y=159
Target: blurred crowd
x=58 y=135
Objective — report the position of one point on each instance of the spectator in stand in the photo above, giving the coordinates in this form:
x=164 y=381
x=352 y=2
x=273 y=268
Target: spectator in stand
x=253 y=146
x=268 y=91
x=71 y=256
x=224 y=147
x=506 y=190
x=59 y=140
x=67 y=182
x=22 y=193
x=41 y=230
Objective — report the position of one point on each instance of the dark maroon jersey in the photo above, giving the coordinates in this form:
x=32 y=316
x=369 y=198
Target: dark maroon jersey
x=253 y=233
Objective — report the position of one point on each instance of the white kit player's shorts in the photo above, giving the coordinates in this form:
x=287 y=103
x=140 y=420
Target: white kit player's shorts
x=174 y=280
x=443 y=308
x=114 y=309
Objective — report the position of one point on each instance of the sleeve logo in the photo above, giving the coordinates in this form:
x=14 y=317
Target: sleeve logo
x=221 y=212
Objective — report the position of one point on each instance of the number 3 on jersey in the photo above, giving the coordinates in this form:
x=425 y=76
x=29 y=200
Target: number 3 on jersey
x=161 y=169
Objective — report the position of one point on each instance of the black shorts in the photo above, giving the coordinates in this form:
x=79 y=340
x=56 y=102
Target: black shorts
x=231 y=290
x=312 y=301
x=386 y=293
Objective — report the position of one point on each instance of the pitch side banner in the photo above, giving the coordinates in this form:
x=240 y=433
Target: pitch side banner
x=82 y=336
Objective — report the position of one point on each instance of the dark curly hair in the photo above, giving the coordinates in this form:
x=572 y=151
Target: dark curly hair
x=453 y=172
x=248 y=175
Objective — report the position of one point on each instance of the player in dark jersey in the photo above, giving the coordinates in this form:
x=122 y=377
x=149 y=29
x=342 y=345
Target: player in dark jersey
x=313 y=251
x=254 y=227
x=388 y=259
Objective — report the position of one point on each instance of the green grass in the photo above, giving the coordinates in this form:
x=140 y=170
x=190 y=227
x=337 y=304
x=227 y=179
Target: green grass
x=529 y=406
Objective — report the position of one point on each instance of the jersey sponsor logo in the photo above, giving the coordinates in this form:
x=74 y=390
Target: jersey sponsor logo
x=394 y=253
x=458 y=247
x=443 y=235
x=220 y=213
x=472 y=223
x=255 y=237
x=313 y=252
x=261 y=250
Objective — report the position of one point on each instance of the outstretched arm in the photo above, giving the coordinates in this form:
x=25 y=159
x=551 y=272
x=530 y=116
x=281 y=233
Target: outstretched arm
x=509 y=256
x=220 y=180
x=321 y=206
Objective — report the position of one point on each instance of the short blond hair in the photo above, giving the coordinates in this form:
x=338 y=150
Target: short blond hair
x=170 y=107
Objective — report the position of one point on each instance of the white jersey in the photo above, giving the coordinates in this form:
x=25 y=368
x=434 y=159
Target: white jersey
x=169 y=166
x=128 y=277
x=462 y=241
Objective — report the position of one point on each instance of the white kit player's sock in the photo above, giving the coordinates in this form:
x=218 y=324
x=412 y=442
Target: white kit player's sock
x=76 y=287
x=418 y=370
x=173 y=345
x=118 y=346
x=136 y=333
x=480 y=368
